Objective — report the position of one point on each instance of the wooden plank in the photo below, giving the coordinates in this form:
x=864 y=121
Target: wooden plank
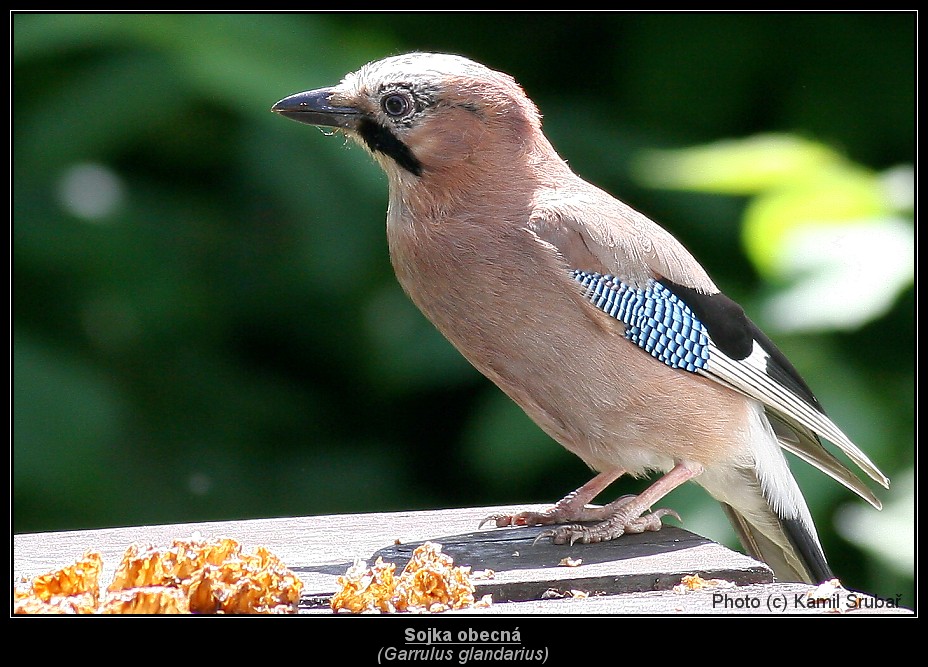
x=321 y=548
x=632 y=575
x=775 y=599
x=645 y=562
x=332 y=542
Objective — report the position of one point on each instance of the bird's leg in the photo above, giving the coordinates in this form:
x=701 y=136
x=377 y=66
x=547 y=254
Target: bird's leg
x=627 y=514
x=571 y=507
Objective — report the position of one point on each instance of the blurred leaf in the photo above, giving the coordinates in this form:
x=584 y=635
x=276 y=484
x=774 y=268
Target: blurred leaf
x=737 y=166
x=826 y=198
x=817 y=223
x=887 y=535
x=842 y=277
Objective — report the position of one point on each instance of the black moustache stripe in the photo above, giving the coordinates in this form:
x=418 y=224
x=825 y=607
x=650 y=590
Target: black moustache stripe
x=381 y=139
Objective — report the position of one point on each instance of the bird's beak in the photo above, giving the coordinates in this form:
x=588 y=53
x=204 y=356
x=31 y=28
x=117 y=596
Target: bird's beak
x=313 y=107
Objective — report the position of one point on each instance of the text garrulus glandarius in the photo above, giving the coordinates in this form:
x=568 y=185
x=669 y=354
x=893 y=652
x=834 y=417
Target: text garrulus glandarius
x=589 y=315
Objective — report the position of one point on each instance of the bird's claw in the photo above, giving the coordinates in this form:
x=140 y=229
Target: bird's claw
x=612 y=528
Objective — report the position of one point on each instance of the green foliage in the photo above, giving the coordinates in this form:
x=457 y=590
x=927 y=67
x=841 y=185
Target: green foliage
x=205 y=320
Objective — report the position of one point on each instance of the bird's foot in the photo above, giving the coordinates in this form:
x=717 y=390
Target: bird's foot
x=625 y=515
x=565 y=511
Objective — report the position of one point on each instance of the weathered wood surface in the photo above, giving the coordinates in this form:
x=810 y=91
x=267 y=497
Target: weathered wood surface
x=634 y=574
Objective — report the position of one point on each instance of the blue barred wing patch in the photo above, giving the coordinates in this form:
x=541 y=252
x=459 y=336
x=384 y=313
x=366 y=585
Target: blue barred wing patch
x=655 y=319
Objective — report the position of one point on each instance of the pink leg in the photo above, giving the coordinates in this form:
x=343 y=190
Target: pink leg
x=571 y=507
x=627 y=515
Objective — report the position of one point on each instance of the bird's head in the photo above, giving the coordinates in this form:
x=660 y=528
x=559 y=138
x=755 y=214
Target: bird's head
x=427 y=115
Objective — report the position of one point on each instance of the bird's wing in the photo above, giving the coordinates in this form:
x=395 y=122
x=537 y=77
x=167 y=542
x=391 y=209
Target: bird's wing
x=594 y=232
x=637 y=273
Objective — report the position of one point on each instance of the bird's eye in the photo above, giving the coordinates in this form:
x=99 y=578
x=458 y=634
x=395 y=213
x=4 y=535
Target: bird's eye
x=396 y=104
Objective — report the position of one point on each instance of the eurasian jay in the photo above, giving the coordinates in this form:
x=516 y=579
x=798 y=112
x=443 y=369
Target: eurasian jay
x=590 y=316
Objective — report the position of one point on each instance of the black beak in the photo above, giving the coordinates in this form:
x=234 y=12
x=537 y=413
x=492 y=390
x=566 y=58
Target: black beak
x=313 y=107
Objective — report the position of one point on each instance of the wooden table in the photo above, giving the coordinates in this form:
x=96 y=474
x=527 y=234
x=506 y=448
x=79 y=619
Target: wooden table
x=635 y=574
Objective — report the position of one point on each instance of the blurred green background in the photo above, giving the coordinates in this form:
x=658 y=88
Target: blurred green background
x=205 y=321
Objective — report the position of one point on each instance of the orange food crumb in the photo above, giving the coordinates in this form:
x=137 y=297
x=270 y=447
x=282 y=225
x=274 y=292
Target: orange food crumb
x=429 y=583
x=191 y=576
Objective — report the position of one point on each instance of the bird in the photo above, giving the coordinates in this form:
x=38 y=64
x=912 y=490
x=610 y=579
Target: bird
x=589 y=315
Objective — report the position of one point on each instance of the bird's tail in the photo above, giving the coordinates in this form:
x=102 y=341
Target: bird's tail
x=793 y=553
x=770 y=515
